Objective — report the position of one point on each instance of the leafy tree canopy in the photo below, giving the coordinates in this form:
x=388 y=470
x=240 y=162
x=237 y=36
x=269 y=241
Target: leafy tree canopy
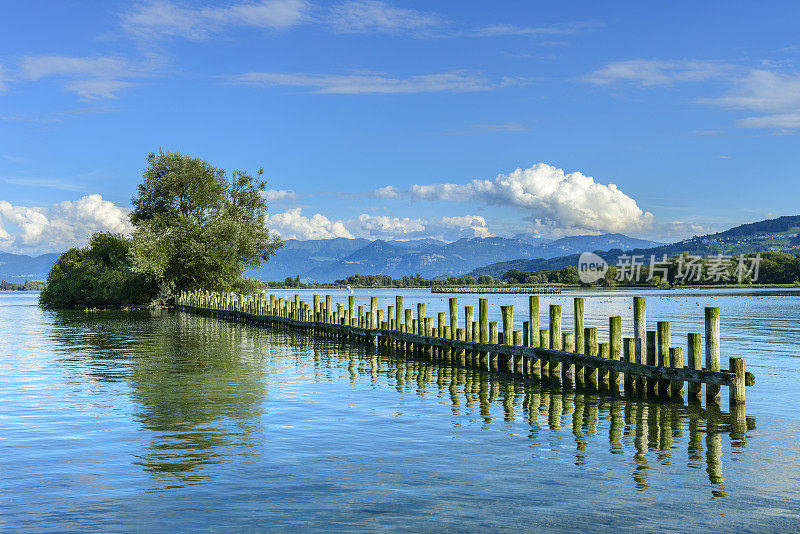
x=197 y=227
x=97 y=276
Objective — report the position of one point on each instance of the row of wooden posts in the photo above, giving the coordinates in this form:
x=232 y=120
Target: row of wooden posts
x=651 y=366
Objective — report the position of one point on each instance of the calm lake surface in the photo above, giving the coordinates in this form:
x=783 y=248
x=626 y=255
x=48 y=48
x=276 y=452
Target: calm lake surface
x=155 y=421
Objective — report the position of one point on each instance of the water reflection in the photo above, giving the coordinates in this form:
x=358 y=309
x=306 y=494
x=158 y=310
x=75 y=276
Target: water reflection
x=201 y=388
x=649 y=431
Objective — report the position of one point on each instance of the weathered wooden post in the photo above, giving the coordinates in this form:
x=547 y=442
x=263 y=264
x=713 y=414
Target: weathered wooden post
x=568 y=369
x=580 y=344
x=544 y=342
x=664 y=343
x=533 y=320
x=494 y=340
x=712 y=351
x=629 y=355
x=373 y=308
x=460 y=353
x=651 y=359
x=555 y=339
x=615 y=348
x=676 y=387
x=516 y=363
x=408 y=327
x=469 y=317
x=590 y=342
x=483 y=318
x=736 y=390
x=453 y=316
x=639 y=336
x=440 y=332
x=695 y=356
x=602 y=374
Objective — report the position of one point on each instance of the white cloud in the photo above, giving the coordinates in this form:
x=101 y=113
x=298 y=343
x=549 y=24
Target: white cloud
x=510 y=29
x=58 y=227
x=777 y=95
x=163 y=19
x=553 y=198
x=650 y=72
x=456 y=81
x=385 y=227
x=292 y=224
x=278 y=194
x=95 y=77
x=389 y=191
x=372 y=16
x=772 y=93
x=47 y=183
x=3 y=79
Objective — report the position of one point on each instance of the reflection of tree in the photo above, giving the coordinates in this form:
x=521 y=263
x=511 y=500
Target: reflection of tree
x=199 y=386
x=198 y=383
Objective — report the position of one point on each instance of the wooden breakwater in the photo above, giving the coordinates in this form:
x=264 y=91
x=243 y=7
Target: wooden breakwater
x=498 y=290
x=650 y=364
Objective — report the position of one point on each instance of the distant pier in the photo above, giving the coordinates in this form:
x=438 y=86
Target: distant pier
x=495 y=290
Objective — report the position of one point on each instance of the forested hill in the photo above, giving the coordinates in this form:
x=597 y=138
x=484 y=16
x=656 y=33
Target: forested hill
x=781 y=234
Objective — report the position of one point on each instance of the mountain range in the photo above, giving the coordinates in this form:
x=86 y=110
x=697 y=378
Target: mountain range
x=780 y=234
x=326 y=260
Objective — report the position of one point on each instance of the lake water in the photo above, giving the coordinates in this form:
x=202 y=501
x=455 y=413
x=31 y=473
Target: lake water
x=155 y=421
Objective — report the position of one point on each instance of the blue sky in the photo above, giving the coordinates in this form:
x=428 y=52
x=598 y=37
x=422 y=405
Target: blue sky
x=405 y=119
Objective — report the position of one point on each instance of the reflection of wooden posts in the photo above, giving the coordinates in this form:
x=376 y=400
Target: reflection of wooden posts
x=517 y=361
x=590 y=342
x=555 y=339
x=712 y=351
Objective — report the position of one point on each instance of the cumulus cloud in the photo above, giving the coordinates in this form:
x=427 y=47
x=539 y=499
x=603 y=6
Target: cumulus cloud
x=292 y=224
x=455 y=81
x=58 y=227
x=278 y=194
x=163 y=19
x=553 y=198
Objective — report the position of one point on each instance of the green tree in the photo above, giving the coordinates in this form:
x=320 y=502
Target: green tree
x=195 y=227
x=97 y=276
